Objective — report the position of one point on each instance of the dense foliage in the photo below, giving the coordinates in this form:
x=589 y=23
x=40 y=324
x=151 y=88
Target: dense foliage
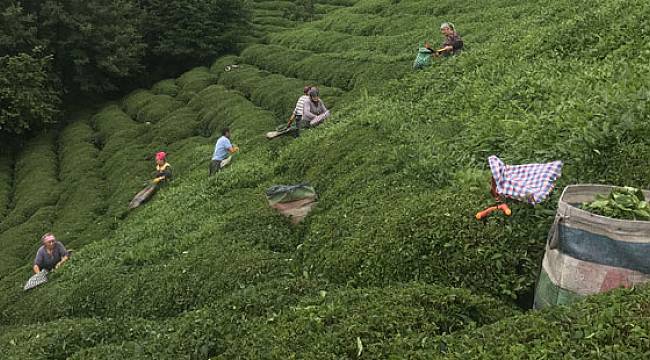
x=391 y=263
x=53 y=48
x=29 y=93
x=191 y=32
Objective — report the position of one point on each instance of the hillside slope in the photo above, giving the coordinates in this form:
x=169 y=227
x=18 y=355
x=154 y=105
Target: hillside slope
x=391 y=264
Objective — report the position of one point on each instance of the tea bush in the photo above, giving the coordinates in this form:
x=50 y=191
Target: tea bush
x=136 y=100
x=83 y=188
x=336 y=70
x=332 y=323
x=219 y=65
x=36 y=182
x=157 y=108
x=194 y=81
x=123 y=158
x=180 y=124
x=329 y=41
x=165 y=87
x=272 y=91
x=279 y=5
x=600 y=325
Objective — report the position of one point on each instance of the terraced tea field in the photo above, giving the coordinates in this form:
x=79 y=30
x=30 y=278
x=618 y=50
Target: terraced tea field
x=391 y=263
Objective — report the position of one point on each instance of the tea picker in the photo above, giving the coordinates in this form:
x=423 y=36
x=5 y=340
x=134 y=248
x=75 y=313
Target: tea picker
x=294 y=119
x=163 y=174
x=531 y=183
x=224 y=151
x=452 y=45
x=50 y=256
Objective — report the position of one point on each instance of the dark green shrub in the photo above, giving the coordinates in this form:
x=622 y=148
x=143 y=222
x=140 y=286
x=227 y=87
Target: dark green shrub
x=344 y=71
x=330 y=324
x=272 y=91
x=82 y=199
x=607 y=324
x=194 y=81
x=135 y=101
x=165 y=87
x=36 y=182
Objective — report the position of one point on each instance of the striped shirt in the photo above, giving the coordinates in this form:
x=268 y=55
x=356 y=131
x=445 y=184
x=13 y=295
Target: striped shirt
x=300 y=104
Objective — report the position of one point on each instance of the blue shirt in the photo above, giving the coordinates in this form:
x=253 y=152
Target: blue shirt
x=221 y=149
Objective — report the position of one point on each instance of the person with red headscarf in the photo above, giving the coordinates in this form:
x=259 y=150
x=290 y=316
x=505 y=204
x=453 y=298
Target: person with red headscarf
x=163 y=173
x=163 y=169
x=50 y=255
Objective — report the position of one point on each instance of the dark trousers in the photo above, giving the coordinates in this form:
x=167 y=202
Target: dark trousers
x=297 y=125
x=215 y=166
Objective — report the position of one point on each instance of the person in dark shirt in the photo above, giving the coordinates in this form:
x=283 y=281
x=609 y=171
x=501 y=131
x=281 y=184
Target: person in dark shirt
x=163 y=169
x=453 y=42
x=50 y=255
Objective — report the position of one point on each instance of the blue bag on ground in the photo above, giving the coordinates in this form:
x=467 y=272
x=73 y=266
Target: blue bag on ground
x=423 y=58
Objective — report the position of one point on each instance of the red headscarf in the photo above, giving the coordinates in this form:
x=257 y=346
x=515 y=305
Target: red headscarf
x=161 y=156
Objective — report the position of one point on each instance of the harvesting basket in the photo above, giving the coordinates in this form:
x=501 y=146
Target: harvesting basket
x=587 y=253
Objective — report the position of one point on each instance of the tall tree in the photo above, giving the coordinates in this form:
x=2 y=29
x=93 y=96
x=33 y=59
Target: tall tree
x=17 y=29
x=29 y=89
x=95 y=42
x=29 y=95
x=192 y=31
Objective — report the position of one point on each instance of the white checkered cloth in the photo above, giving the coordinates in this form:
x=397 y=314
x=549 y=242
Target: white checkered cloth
x=531 y=183
x=36 y=279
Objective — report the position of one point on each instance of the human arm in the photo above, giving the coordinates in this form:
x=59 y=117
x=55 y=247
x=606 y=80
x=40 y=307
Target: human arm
x=445 y=49
x=307 y=113
x=291 y=119
x=165 y=174
x=63 y=259
x=230 y=147
x=63 y=253
x=451 y=44
x=38 y=261
x=324 y=114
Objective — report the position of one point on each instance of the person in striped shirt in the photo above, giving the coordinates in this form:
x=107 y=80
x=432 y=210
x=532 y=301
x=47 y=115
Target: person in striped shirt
x=296 y=115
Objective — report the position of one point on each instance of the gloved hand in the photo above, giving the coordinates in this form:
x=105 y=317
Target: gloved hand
x=235 y=149
x=156 y=180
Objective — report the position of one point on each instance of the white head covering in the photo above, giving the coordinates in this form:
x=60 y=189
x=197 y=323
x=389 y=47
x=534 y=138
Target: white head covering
x=448 y=25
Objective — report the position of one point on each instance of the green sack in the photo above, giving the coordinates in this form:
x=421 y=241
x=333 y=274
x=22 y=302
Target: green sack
x=423 y=59
x=287 y=193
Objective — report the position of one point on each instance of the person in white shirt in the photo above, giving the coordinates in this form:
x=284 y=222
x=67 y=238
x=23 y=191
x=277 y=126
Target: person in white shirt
x=296 y=115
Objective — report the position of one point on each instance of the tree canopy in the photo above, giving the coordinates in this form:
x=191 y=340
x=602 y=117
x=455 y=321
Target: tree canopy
x=56 y=47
